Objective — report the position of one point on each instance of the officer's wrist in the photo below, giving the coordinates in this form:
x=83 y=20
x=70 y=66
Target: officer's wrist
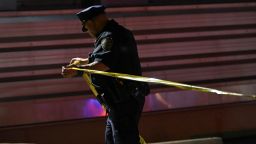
x=87 y=66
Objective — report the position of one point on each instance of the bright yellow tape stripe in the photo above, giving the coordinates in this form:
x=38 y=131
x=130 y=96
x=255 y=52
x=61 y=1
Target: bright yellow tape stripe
x=94 y=91
x=164 y=82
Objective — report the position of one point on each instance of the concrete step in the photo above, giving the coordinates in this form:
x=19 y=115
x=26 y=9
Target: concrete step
x=211 y=140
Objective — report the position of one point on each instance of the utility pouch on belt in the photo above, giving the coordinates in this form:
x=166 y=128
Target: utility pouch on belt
x=144 y=88
x=138 y=89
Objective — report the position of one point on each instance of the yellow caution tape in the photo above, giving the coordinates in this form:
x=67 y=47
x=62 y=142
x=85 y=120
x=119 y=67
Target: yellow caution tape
x=142 y=141
x=164 y=82
x=152 y=80
x=87 y=79
x=94 y=91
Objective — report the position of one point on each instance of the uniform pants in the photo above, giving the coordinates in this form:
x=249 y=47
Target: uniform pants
x=122 y=122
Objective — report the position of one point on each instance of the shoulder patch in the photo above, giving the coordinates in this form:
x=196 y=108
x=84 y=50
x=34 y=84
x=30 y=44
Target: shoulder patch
x=107 y=43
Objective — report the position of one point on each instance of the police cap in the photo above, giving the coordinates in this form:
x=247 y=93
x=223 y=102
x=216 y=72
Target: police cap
x=90 y=12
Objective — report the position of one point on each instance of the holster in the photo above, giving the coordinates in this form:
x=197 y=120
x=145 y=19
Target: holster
x=117 y=91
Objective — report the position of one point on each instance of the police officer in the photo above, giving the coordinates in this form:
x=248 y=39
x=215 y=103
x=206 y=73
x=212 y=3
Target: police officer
x=114 y=50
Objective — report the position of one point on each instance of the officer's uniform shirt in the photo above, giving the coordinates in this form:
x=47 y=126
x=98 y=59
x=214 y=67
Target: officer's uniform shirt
x=115 y=47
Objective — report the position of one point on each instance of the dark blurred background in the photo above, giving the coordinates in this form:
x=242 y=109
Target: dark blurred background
x=210 y=43
x=72 y=4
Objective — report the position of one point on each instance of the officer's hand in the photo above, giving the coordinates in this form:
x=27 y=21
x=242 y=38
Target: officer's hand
x=68 y=73
x=78 y=61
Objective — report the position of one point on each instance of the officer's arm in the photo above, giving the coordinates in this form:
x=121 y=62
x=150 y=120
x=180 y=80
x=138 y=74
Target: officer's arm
x=78 y=61
x=95 y=66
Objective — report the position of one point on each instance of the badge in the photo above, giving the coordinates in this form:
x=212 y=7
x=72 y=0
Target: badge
x=107 y=43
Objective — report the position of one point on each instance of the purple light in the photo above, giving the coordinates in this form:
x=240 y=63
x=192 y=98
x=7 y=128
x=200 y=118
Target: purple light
x=92 y=108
